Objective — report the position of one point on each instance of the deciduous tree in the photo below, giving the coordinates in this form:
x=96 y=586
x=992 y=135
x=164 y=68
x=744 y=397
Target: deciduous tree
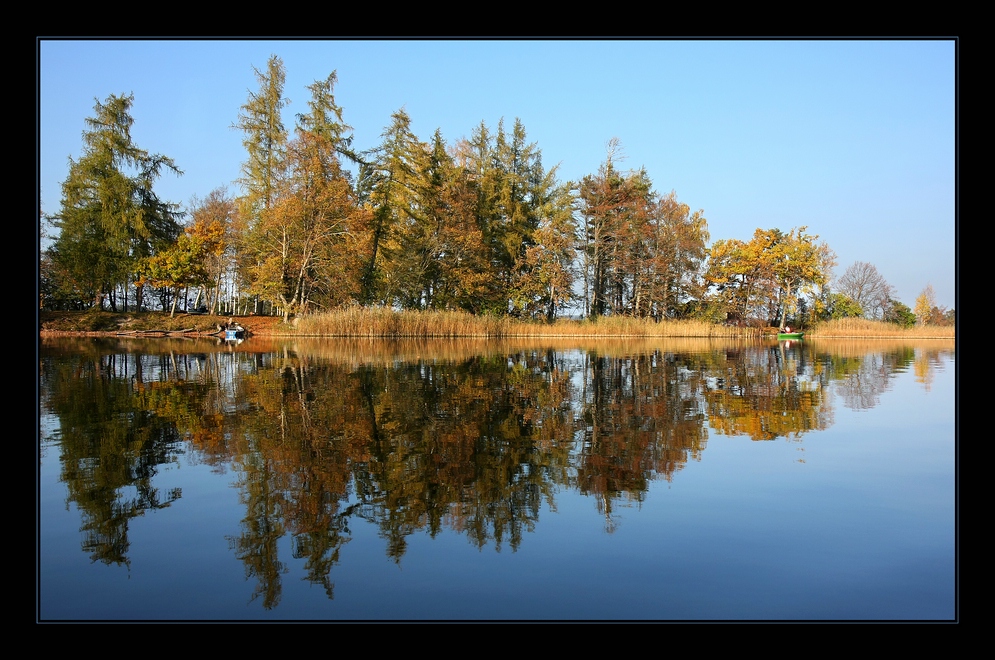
x=764 y=278
x=179 y=266
x=841 y=306
x=863 y=284
x=925 y=302
x=213 y=223
x=301 y=251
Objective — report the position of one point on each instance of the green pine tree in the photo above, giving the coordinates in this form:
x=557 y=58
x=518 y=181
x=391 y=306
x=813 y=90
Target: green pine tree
x=265 y=136
x=394 y=180
x=265 y=140
x=110 y=216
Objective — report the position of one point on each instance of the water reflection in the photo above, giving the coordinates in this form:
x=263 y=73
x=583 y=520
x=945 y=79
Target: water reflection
x=776 y=392
x=420 y=436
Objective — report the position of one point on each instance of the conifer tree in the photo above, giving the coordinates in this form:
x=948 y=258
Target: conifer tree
x=520 y=168
x=444 y=245
x=393 y=180
x=324 y=118
x=512 y=191
x=110 y=216
x=298 y=247
x=265 y=141
x=265 y=137
x=459 y=275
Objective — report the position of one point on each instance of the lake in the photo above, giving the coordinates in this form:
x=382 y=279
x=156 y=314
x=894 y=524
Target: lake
x=320 y=479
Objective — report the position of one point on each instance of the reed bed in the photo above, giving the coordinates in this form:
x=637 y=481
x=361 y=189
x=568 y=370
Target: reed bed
x=387 y=323
x=865 y=329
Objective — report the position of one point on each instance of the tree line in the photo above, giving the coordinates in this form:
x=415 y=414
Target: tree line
x=479 y=224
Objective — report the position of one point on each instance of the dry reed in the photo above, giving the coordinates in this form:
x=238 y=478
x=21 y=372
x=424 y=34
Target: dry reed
x=863 y=328
x=378 y=322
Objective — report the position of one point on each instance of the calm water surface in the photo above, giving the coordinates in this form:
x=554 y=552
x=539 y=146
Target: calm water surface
x=665 y=480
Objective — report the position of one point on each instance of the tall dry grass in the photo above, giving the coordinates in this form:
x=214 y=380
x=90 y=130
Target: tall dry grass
x=863 y=328
x=381 y=322
x=388 y=323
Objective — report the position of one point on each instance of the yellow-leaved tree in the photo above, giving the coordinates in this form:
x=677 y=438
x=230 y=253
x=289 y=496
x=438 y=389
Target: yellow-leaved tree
x=213 y=221
x=925 y=302
x=765 y=278
x=175 y=268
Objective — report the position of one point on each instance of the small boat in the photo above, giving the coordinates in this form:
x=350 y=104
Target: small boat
x=235 y=332
x=790 y=335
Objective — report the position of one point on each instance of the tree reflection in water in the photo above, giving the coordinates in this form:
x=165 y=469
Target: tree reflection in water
x=472 y=437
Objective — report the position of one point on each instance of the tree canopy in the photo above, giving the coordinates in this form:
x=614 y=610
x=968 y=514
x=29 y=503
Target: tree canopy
x=265 y=137
x=110 y=216
x=643 y=253
x=863 y=284
x=763 y=279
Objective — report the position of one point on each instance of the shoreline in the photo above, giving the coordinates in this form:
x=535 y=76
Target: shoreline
x=386 y=324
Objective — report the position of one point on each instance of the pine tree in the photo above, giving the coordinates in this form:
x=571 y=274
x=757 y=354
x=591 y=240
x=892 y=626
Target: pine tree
x=393 y=179
x=265 y=140
x=265 y=136
x=325 y=118
x=110 y=216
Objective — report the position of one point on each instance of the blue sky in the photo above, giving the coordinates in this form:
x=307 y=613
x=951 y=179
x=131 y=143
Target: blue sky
x=854 y=139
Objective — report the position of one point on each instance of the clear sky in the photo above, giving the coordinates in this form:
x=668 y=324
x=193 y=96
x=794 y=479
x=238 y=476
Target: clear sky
x=854 y=139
